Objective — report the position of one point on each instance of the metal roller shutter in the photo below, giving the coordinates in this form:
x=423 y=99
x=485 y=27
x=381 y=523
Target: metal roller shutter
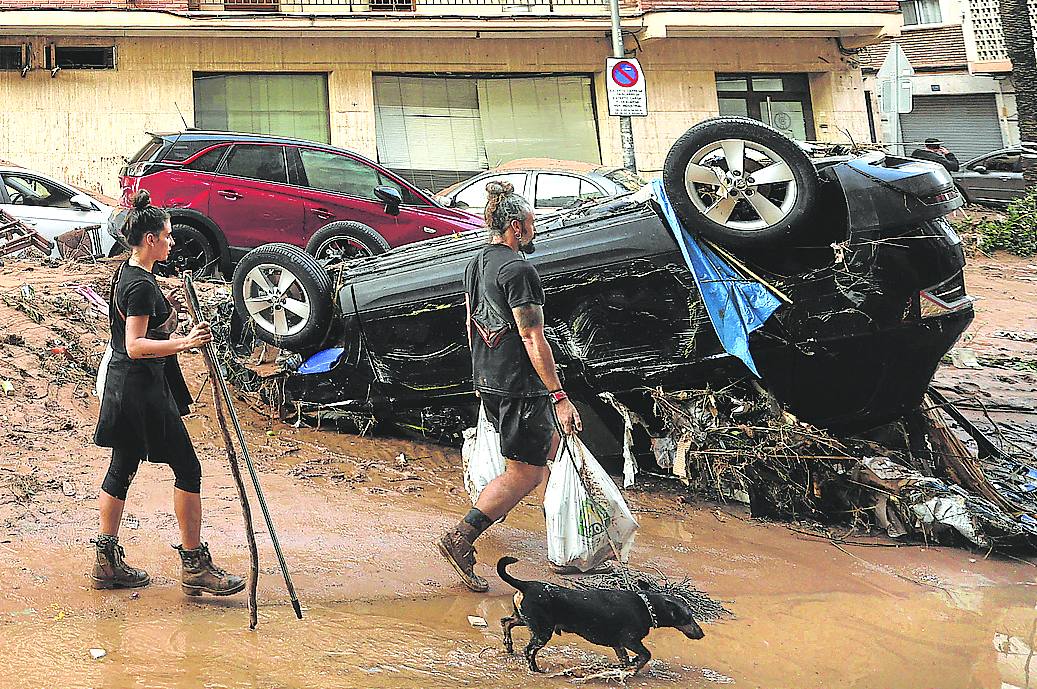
x=967 y=124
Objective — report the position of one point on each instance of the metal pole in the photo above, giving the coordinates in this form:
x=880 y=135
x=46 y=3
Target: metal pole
x=896 y=98
x=626 y=129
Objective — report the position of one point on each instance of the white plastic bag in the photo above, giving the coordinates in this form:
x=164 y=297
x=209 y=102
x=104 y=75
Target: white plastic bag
x=481 y=456
x=586 y=513
x=102 y=371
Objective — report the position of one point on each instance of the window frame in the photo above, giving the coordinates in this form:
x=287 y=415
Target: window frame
x=484 y=179
x=580 y=179
x=48 y=183
x=918 y=4
x=222 y=169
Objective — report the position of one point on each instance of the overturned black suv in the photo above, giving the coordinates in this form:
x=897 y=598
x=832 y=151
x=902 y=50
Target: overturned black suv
x=857 y=245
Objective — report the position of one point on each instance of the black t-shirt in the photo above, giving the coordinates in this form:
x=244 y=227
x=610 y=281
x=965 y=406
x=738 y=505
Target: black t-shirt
x=950 y=161
x=137 y=294
x=510 y=281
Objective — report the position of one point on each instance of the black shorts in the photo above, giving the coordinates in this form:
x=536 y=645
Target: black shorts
x=526 y=426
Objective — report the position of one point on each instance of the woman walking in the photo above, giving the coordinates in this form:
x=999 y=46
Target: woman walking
x=144 y=396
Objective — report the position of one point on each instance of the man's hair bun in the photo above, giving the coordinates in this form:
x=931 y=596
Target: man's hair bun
x=499 y=188
x=141 y=200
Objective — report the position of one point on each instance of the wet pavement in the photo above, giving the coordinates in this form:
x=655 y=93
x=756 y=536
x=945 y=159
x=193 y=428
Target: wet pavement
x=382 y=610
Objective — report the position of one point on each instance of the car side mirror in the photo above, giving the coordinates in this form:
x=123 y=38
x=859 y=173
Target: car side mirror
x=981 y=169
x=391 y=197
x=82 y=202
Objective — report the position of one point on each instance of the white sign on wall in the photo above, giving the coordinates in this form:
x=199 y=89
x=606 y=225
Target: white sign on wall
x=625 y=85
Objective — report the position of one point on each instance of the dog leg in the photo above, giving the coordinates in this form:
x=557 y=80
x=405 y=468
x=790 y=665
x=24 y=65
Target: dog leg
x=643 y=655
x=507 y=623
x=536 y=642
x=621 y=653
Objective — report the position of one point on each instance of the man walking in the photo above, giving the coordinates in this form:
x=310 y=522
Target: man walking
x=514 y=372
x=935 y=152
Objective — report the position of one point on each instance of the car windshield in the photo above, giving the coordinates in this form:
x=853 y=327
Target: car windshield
x=147 y=151
x=626 y=179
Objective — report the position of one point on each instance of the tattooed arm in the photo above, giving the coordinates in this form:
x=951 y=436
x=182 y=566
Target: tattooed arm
x=138 y=346
x=530 y=321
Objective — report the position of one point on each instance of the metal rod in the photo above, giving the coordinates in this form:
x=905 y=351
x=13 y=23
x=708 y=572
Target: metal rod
x=626 y=129
x=225 y=390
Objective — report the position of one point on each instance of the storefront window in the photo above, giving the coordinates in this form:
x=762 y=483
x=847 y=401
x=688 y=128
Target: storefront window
x=294 y=105
x=780 y=100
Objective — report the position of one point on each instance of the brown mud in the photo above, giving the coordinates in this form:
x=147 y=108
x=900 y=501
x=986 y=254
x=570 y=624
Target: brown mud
x=356 y=522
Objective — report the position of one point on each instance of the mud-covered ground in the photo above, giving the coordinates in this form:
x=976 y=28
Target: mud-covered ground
x=356 y=521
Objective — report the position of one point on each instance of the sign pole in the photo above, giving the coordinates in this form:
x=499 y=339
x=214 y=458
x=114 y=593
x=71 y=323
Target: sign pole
x=895 y=116
x=626 y=129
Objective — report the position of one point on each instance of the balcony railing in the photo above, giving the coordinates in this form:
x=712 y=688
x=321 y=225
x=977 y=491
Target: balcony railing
x=430 y=7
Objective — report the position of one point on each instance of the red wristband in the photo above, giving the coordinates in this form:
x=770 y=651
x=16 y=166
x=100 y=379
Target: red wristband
x=557 y=396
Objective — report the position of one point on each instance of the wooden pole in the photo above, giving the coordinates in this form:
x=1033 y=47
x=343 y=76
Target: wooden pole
x=232 y=459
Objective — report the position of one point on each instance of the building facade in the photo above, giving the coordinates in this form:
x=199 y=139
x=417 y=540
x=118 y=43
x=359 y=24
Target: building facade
x=435 y=91
x=962 y=85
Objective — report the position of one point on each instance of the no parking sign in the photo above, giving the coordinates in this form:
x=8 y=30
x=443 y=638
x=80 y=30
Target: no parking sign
x=625 y=85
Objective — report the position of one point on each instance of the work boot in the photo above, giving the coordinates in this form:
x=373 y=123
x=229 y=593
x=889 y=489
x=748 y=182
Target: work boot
x=199 y=575
x=110 y=570
x=456 y=546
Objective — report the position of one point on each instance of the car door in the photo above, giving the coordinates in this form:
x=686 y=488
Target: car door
x=472 y=196
x=988 y=179
x=251 y=200
x=46 y=204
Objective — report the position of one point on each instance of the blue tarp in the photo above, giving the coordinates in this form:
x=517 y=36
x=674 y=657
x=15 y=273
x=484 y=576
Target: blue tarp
x=736 y=305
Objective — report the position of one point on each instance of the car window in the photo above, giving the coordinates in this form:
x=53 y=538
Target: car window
x=562 y=191
x=1003 y=162
x=474 y=195
x=340 y=174
x=182 y=150
x=147 y=151
x=257 y=162
x=207 y=162
x=23 y=190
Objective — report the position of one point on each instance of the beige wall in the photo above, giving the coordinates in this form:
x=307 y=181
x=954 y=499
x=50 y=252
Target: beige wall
x=80 y=124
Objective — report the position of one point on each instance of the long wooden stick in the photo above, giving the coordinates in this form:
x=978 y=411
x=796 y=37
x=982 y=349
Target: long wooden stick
x=232 y=459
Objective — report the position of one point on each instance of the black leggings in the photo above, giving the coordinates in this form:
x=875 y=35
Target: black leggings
x=187 y=473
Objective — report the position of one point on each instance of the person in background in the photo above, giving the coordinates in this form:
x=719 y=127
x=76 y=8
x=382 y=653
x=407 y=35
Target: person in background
x=143 y=398
x=935 y=152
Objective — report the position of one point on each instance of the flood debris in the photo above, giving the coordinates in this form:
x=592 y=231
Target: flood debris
x=914 y=478
x=16 y=237
x=628 y=578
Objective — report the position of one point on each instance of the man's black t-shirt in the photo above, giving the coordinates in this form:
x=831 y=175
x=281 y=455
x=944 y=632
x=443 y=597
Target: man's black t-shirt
x=949 y=161
x=510 y=281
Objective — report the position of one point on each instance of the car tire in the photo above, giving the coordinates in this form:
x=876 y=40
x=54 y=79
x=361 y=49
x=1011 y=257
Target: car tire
x=731 y=206
x=285 y=295
x=343 y=241
x=192 y=250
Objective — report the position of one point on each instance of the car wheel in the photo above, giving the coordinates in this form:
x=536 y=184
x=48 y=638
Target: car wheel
x=739 y=182
x=343 y=241
x=192 y=251
x=285 y=294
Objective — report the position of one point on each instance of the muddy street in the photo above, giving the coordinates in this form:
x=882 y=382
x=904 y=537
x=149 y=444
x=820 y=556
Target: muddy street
x=357 y=517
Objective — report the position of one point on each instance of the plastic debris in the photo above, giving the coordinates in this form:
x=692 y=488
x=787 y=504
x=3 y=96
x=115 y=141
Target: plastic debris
x=964 y=358
x=476 y=621
x=98 y=653
x=7 y=387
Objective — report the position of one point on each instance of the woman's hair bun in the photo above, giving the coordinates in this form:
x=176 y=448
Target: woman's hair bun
x=499 y=188
x=142 y=199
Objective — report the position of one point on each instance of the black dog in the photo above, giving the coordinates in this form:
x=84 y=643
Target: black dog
x=613 y=618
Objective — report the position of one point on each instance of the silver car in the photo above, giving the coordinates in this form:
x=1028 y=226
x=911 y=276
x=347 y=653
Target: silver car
x=53 y=208
x=552 y=185
x=996 y=179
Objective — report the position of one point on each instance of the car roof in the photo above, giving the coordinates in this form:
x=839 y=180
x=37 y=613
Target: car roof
x=245 y=137
x=575 y=167
x=1028 y=146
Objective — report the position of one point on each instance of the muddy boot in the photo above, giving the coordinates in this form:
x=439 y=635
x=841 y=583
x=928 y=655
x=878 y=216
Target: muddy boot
x=199 y=575
x=456 y=546
x=110 y=570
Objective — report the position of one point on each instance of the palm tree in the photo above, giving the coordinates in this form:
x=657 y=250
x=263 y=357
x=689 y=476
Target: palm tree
x=1018 y=33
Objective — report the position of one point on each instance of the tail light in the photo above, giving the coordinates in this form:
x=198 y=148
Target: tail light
x=942 y=197
x=943 y=298
x=138 y=169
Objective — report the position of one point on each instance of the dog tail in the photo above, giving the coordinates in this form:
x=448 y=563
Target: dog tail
x=502 y=572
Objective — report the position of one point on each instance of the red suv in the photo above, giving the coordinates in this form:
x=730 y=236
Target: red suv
x=228 y=193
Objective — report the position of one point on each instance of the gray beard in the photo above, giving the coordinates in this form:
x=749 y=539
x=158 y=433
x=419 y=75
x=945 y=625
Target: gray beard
x=529 y=248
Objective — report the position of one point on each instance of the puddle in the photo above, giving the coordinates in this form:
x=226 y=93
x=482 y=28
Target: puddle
x=798 y=641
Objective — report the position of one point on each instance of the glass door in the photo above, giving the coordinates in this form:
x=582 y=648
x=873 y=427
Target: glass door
x=780 y=100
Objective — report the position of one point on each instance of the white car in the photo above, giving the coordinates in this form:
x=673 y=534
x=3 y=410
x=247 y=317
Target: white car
x=53 y=208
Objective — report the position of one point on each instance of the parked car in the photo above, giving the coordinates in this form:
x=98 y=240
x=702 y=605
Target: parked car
x=230 y=192
x=860 y=246
x=551 y=185
x=996 y=179
x=53 y=208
